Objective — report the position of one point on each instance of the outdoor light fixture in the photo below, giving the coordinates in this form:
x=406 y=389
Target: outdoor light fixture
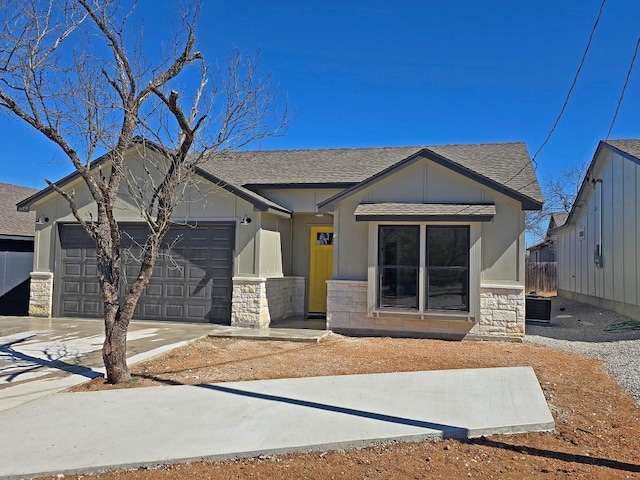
x=245 y=220
x=41 y=220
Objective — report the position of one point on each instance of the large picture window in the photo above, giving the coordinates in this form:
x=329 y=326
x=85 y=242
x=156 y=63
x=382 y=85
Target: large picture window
x=444 y=264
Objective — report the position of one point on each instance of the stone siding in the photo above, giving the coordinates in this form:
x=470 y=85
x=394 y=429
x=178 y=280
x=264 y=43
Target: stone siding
x=502 y=312
x=41 y=294
x=502 y=315
x=257 y=301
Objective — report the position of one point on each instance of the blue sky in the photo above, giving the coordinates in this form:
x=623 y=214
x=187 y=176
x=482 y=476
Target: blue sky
x=409 y=72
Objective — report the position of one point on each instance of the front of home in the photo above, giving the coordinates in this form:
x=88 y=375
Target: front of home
x=598 y=250
x=419 y=241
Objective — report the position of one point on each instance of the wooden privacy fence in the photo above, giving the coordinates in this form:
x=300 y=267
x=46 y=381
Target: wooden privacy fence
x=541 y=277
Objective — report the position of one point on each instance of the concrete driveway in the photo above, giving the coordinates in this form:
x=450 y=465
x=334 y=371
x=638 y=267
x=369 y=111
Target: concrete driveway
x=43 y=356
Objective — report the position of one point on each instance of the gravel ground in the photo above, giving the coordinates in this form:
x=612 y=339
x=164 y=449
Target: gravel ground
x=578 y=327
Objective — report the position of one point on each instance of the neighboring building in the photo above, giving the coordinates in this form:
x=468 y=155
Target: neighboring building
x=16 y=250
x=545 y=251
x=598 y=251
x=425 y=241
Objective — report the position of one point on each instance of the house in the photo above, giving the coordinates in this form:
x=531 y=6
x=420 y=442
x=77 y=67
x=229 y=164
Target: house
x=421 y=241
x=599 y=246
x=16 y=250
x=545 y=251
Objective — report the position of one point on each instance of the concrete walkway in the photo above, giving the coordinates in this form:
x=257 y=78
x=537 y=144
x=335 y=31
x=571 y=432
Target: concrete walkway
x=82 y=432
x=41 y=356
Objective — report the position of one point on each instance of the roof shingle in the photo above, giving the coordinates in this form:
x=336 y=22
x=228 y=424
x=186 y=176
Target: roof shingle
x=630 y=146
x=424 y=209
x=13 y=222
x=508 y=164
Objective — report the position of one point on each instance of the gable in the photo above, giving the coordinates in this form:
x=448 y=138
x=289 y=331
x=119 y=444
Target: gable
x=606 y=152
x=73 y=181
x=446 y=181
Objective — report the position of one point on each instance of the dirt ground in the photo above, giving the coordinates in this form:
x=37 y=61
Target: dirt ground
x=597 y=422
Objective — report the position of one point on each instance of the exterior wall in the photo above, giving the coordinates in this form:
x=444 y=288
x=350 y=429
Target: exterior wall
x=496 y=269
x=609 y=215
x=425 y=181
x=203 y=202
x=502 y=315
x=256 y=301
x=299 y=200
x=269 y=246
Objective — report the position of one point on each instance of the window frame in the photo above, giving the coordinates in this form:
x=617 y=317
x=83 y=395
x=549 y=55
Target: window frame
x=466 y=267
x=379 y=273
x=422 y=309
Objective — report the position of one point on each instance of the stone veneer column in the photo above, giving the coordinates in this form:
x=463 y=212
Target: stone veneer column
x=249 y=306
x=347 y=305
x=258 y=301
x=502 y=314
x=41 y=294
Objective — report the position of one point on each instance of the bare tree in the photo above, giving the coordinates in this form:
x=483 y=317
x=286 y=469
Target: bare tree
x=75 y=71
x=560 y=193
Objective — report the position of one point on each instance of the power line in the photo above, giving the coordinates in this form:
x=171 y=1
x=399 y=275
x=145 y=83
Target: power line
x=573 y=84
x=532 y=162
x=624 y=88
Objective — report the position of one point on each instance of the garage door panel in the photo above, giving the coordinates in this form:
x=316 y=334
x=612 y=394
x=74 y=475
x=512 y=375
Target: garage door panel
x=175 y=291
x=91 y=308
x=90 y=288
x=153 y=290
x=150 y=311
x=191 y=279
x=72 y=307
x=72 y=269
x=72 y=287
x=176 y=273
x=174 y=310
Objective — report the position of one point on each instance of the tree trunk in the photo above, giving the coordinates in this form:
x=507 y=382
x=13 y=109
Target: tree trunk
x=114 y=349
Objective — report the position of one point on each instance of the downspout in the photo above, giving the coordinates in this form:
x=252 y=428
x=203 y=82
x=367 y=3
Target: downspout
x=598 y=252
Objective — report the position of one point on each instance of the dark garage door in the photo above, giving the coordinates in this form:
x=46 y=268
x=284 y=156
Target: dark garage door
x=191 y=279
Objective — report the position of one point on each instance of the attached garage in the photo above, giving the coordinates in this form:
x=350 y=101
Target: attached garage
x=192 y=278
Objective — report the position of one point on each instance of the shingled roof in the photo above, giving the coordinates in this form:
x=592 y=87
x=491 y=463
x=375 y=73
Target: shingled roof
x=630 y=146
x=507 y=164
x=12 y=222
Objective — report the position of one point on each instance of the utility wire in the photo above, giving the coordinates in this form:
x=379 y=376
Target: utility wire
x=532 y=162
x=573 y=84
x=624 y=88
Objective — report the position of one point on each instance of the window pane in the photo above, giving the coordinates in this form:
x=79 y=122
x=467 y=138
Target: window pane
x=399 y=246
x=448 y=246
x=447 y=289
x=399 y=287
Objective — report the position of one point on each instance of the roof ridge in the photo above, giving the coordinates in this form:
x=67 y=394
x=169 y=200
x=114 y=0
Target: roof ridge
x=5 y=184
x=387 y=147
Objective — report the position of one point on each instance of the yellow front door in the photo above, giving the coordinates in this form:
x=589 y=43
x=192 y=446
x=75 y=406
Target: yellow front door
x=320 y=267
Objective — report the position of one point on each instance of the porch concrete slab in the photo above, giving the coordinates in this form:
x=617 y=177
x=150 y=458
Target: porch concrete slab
x=285 y=334
x=81 y=432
